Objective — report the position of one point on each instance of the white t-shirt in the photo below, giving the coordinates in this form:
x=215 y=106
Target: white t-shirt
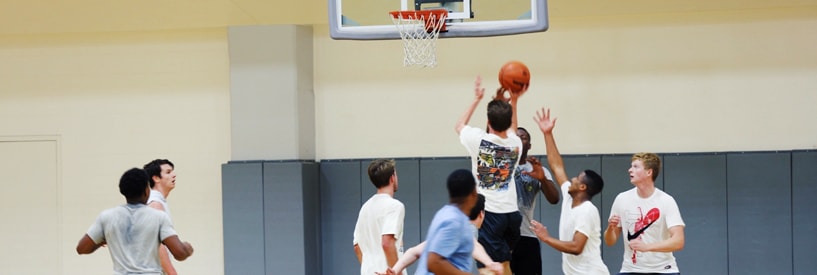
x=158 y=197
x=133 y=233
x=493 y=161
x=380 y=215
x=650 y=220
x=585 y=219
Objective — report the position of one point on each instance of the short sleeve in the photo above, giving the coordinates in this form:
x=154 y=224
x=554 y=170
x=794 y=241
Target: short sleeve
x=673 y=214
x=447 y=239
x=97 y=232
x=354 y=236
x=393 y=221
x=470 y=137
x=166 y=229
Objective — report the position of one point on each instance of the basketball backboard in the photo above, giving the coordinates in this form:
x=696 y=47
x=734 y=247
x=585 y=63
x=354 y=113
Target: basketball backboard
x=370 y=19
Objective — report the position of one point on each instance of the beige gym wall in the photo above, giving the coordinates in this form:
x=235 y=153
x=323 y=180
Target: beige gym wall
x=672 y=82
x=108 y=102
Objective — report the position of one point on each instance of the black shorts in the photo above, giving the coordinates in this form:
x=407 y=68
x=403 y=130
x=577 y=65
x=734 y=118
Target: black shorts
x=499 y=234
x=527 y=258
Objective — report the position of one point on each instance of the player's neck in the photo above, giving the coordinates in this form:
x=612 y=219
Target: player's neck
x=388 y=190
x=503 y=134
x=579 y=198
x=135 y=201
x=645 y=189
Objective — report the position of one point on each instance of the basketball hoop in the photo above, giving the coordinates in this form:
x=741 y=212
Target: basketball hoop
x=419 y=30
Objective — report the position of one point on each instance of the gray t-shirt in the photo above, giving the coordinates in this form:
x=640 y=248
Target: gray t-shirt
x=133 y=233
x=527 y=189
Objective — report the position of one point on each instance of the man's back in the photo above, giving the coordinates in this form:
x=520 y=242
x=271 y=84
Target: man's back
x=133 y=233
x=493 y=161
x=450 y=237
x=380 y=215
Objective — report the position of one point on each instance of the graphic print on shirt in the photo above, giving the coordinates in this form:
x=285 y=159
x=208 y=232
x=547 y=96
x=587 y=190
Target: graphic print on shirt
x=640 y=224
x=495 y=165
x=527 y=188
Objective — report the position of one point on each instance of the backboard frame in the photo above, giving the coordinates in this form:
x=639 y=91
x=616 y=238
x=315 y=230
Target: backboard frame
x=538 y=22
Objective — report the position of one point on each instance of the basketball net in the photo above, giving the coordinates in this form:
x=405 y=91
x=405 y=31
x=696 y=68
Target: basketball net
x=419 y=31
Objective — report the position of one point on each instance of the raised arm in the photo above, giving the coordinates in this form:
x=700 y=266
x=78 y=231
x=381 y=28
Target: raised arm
x=555 y=161
x=478 y=93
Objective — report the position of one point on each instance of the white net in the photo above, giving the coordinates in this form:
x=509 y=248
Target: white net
x=419 y=32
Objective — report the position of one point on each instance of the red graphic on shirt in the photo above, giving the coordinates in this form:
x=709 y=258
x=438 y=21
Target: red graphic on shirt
x=642 y=223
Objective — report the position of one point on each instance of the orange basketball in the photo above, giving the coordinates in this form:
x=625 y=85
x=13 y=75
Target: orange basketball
x=514 y=76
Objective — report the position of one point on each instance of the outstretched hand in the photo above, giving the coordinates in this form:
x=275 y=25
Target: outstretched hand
x=479 y=92
x=544 y=121
x=500 y=94
x=540 y=230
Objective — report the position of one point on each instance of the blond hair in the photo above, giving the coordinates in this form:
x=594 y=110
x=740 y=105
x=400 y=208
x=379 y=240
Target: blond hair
x=651 y=161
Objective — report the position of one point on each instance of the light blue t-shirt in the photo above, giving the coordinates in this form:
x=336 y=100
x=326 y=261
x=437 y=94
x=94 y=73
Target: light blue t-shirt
x=449 y=236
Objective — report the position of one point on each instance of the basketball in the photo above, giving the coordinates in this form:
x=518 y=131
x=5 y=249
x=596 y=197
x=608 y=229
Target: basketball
x=514 y=76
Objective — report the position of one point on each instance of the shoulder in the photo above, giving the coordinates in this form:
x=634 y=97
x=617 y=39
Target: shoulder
x=110 y=212
x=664 y=196
x=395 y=203
x=471 y=131
x=589 y=208
x=626 y=194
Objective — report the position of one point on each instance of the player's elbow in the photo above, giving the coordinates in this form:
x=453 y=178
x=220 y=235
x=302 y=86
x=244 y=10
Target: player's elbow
x=576 y=250
x=679 y=245
x=82 y=251
x=388 y=246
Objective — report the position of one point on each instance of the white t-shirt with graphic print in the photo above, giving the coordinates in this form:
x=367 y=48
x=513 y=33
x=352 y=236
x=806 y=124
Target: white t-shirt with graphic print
x=493 y=161
x=650 y=220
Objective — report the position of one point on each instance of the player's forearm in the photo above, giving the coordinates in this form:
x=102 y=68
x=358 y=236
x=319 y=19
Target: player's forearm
x=514 y=120
x=164 y=259
x=440 y=266
x=480 y=254
x=466 y=117
x=550 y=191
x=391 y=254
x=405 y=261
x=674 y=243
x=358 y=254
x=611 y=235
x=554 y=158
x=570 y=247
